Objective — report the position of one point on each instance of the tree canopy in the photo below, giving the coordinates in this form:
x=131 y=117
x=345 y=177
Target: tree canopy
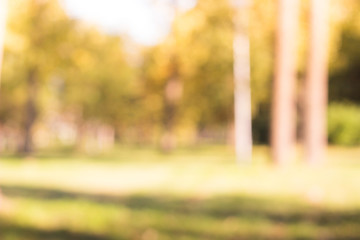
x=57 y=69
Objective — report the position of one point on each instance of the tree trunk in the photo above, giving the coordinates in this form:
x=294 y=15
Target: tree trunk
x=173 y=90
x=283 y=103
x=80 y=136
x=242 y=91
x=30 y=112
x=172 y=94
x=316 y=84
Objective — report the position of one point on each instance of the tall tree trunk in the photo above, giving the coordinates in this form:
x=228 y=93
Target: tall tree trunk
x=316 y=84
x=172 y=94
x=30 y=112
x=283 y=103
x=242 y=76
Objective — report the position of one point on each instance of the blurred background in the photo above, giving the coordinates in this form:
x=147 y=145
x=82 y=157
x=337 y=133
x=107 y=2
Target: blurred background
x=90 y=76
x=117 y=122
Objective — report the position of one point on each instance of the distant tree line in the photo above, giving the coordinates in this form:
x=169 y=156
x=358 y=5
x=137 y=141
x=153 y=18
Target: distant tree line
x=66 y=82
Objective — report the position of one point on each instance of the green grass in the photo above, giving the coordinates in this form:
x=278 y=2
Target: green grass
x=134 y=193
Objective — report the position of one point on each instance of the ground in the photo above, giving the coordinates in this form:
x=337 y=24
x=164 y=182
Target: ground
x=197 y=193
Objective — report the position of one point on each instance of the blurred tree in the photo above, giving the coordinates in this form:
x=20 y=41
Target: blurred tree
x=99 y=84
x=206 y=58
x=184 y=85
x=242 y=76
x=316 y=83
x=173 y=89
x=344 y=69
x=205 y=64
x=283 y=109
x=34 y=49
x=262 y=37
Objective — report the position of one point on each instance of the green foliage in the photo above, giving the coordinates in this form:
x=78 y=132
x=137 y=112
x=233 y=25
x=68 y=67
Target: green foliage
x=207 y=75
x=344 y=124
x=88 y=75
x=99 y=83
x=80 y=71
x=204 y=48
x=201 y=45
x=36 y=32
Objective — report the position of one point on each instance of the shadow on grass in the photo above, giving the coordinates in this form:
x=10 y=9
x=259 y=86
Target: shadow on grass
x=217 y=207
x=276 y=212
x=15 y=231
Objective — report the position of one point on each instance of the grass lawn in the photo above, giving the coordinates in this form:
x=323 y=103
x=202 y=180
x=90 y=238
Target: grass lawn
x=134 y=193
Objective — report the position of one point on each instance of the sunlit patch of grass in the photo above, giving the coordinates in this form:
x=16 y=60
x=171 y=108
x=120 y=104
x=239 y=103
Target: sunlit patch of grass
x=191 y=194
x=169 y=217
